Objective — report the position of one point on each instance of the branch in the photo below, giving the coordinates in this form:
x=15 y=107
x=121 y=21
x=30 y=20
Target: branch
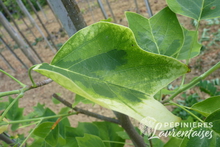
x=7 y=140
x=88 y=113
x=24 y=89
x=130 y=130
x=38 y=84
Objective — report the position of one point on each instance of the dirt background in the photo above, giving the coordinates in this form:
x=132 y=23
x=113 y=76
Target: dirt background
x=43 y=95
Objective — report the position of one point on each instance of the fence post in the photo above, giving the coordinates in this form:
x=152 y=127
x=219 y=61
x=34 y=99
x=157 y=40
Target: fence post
x=18 y=29
x=17 y=38
x=21 y=5
x=110 y=9
x=25 y=11
x=58 y=8
x=148 y=8
x=103 y=9
x=15 y=55
x=136 y=4
x=55 y=15
x=74 y=13
x=42 y=10
x=7 y=63
x=35 y=11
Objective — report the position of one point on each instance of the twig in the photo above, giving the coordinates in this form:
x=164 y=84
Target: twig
x=88 y=113
x=129 y=128
x=28 y=87
x=7 y=140
x=39 y=84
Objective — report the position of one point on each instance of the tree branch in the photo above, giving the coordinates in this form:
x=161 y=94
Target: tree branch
x=7 y=140
x=88 y=113
x=38 y=84
x=130 y=130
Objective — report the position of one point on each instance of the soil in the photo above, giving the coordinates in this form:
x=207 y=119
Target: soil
x=43 y=95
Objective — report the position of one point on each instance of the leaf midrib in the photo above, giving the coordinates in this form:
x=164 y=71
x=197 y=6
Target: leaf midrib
x=98 y=79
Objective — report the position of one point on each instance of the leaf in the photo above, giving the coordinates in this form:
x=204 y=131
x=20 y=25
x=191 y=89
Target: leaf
x=3 y=105
x=71 y=134
x=189 y=43
x=88 y=128
x=200 y=137
x=174 y=141
x=208 y=87
x=110 y=69
x=39 y=109
x=14 y=113
x=214 y=119
x=44 y=131
x=207 y=106
x=55 y=101
x=79 y=99
x=161 y=34
x=196 y=9
x=108 y=131
x=3 y=128
x=89 y=141
x=123 y=135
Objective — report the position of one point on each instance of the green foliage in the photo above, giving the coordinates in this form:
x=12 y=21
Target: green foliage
x=197 y=9
x=165 y=37
x=99 y=74
x=14 y=9
x=187 y=101
x=204 y=108
x=81 y=99
x=209 y=87
x=15 y=113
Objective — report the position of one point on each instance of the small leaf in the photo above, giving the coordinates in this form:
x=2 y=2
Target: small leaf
x=123 y=135
x=161 y=34
x=3 y=105
x=44 y=131
x=89 y=141
x=110 y=69
x=207 y=106
x=39 y=109
x=197 y=9
x=64 y=110
x=88 y=128
x=189 y=44
x=107 y=131
x=71 y=134
x=79 y=99
x=3 y=128
x=55 y=101
x=14 y=113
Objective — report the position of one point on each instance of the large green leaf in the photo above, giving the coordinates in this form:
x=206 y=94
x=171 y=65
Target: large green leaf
x=104 y=64
x=197 y=9
x=161 y=34
x=208 y=106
